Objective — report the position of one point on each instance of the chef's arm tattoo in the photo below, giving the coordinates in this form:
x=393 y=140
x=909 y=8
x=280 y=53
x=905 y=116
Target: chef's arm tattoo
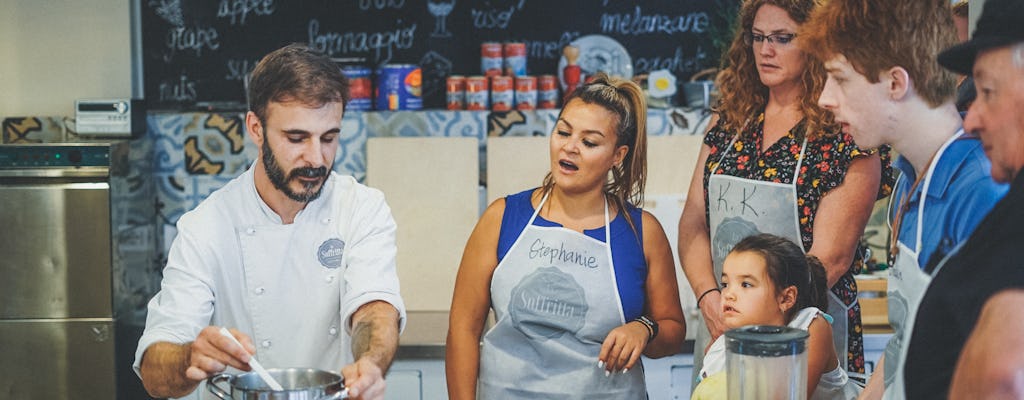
x=375 y=333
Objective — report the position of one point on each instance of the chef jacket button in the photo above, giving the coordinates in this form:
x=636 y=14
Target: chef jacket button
x=333 y=331
x=265 y=344
x=326 y=221
x=259 y=290
x=250 y=231
x=330 y=278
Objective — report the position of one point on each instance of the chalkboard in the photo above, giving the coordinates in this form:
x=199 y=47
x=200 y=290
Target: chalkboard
x=196 y=53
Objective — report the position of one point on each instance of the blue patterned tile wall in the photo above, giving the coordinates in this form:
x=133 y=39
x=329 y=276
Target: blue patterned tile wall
x=188 y=156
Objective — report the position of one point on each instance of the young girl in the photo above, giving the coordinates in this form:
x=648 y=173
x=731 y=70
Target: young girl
x=767 y=280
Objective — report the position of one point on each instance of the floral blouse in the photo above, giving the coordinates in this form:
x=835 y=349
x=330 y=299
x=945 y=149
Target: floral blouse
x=824 y=167
x=826 y=161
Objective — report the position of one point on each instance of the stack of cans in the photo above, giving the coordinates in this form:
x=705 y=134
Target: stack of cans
x=503 y=84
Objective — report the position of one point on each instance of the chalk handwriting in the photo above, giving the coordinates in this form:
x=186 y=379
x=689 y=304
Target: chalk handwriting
x=238 y=70
x=195 y=39
x=239 y=10
x=381 y=4
x=493 y=18
x=169 y=10
x=382 y=44
x=638 y=23
x=678 y=62
x=549 y=49
x=183 y=90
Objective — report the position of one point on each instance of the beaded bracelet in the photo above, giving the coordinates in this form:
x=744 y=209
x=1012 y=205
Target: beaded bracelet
x=652 y=327
x=714 y=289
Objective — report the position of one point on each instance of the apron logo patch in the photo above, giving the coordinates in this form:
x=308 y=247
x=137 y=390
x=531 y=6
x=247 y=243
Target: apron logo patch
x=729 y=232
x=548 y=303
x=330 y=252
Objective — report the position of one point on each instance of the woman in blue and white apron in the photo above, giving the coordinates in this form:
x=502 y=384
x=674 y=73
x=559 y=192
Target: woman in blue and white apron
x=774 y=162
x=580 y=280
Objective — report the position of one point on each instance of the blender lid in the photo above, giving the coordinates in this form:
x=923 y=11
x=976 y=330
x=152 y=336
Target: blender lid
x=766 y=340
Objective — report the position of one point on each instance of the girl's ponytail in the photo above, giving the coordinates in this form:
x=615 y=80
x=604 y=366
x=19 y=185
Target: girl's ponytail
x=815 y=293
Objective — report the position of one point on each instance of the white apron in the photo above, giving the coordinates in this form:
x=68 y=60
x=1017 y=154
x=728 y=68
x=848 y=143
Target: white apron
x=738 y=208
x=555 y=300
x=906 y=286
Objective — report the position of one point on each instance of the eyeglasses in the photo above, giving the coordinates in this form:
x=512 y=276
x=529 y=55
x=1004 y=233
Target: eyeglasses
x=781 y=39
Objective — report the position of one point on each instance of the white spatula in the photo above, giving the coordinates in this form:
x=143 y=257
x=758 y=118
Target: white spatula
x=255 y=364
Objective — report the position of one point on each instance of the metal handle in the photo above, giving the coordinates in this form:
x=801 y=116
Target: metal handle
x=341 y=395
x=56 y=172
x=211 y=385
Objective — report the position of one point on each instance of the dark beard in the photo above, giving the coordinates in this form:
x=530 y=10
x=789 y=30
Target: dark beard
x=280 y=179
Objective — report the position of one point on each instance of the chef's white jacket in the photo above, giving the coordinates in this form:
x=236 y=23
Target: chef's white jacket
x=292 y=288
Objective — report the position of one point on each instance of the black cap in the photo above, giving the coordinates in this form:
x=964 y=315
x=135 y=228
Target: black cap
x=1001 y=24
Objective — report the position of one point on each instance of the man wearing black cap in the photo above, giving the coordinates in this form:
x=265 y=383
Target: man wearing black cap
x=972 y=312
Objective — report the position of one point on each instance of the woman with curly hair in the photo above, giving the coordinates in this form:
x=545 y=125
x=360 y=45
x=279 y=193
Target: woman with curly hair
x=774 y=158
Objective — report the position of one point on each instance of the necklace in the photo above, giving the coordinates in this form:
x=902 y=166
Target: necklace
x=894 y=248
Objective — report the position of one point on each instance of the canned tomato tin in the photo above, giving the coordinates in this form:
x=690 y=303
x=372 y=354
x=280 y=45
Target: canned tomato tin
x=490 y=59
x=515 y=59
x=456 y=92
x=526 y=92
x=399 y=87
x=502 y=94
x=477 y=93
x=547 y=94
x=360 y=88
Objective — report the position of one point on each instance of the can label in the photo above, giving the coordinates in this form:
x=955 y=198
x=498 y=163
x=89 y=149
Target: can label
x=399 y=87
x=502 y=94
x=490 y=59
x=515 y=59
x=547 y=94
x=477 y=93
x=360 y=88
x=456 y=92
x=526 y=92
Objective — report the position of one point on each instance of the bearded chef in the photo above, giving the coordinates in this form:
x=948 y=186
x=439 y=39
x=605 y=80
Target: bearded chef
x=296 y=259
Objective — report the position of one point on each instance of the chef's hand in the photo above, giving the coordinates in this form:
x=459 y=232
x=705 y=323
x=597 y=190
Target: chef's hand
x=211 y=353
x=711 y=308
x=364 y=380
x=623 y=347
